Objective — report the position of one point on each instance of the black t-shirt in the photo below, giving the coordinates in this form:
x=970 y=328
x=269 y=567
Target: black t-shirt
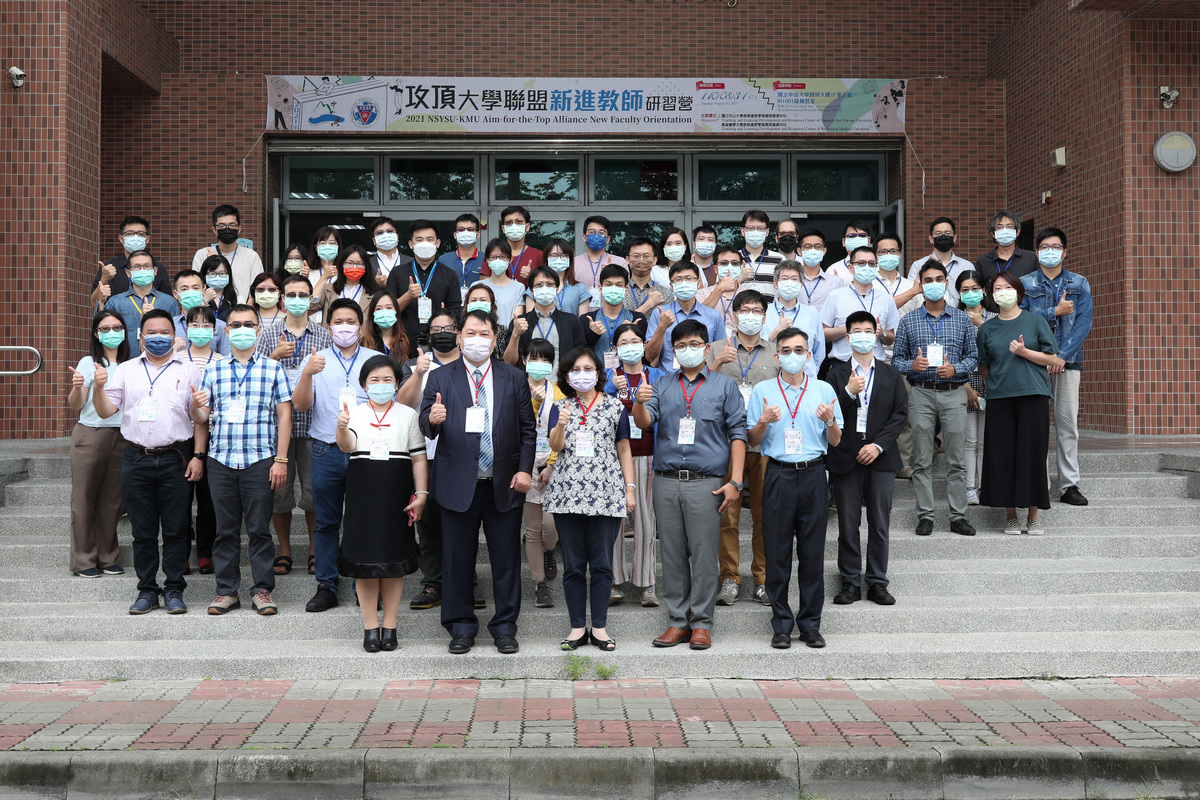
x=442 y=288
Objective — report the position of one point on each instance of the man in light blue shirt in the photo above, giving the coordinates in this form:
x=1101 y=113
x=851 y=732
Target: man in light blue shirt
x=140 y=298
x=795 y=419
x=685 y=281
x=786 y=311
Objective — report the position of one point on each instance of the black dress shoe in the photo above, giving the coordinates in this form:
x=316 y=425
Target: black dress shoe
x=461 y=644
x=507 y=645
x=323 y=600
x=429 y=597
x=924 y=527
x=781 y=641
x=849 y=594
x=387 y=639
x=479 y=601
x=878 y=593
x=1073 y=497
x=962 y=527
x=371 y=640
x=812 y=638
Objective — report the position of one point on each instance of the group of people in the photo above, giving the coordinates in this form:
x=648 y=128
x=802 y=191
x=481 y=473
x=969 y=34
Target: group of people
x=579 y=399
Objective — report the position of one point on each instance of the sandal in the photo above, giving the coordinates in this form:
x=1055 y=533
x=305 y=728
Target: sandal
x=312 y=565
x=575 y=644
x=283 y=565
x=607 y=645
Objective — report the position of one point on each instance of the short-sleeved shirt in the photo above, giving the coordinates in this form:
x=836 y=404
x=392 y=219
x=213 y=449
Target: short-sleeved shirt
x=592 y=485
x=201 y=365
x=602 y=343
x=468 y=271
x=1010 y=375
x=526 y=257
x=120 y=282
x=896 y=287
x=1020 y=264
x=508 y=297
x=643 y=446
x=339 y=373
x=636 y=296
x=571 y=296
x=587 y=271
x=220 y=340
x=953 y=269
x=806 y=319
x=814 y=441
x=244 y=266
x=845 y=301
x=716 y=407
x=399 y=427
x=131 y=307
x=314 y=336
x=815 y=291
x=170 y=387
x=764 y=271
x=750 y=367
x=261 y=384
x=709 y=316
x=87 y=415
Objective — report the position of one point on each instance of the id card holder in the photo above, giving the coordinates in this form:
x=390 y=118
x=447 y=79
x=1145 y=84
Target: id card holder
x=148 y=409
x=793 y=442
x=236 y=413
x=585 y=444
x=861 y=426
x=937 y=355
x=424 y=309
x=347 y=396
x=635 y=432
x=543 y=443
x=745 y=389
x=611 y=361
x=687 y=431
x=380 y=449
x=475 y=419
x=596 y=302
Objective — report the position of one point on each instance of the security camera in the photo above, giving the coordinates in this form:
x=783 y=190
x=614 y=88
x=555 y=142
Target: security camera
x=18 y=76
x=1167 y=96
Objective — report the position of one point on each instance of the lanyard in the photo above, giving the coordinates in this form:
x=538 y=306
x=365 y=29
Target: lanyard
x=147 y=303
x=272 y=319
x=725 y=304
x=479 y=384
x=239 y=381
x=748 y=260
x=746 y=370
x=211 y=353
x=429 y=280
x=886 y=289
x=463 y=263
x=544 y=408
x=1006 y=263
x=514 y=267
x=612 y=328
x=870 y=294
x=865 y=395
x=795 y=311
x=804 y=285
x=379 y=421
x=935 y=331
x=1062 y=276
x=358 y=292
x=390 y=267
x=798 y=402
x=298 y=352
x=549 y=330
x=595 y=269
x=343 y=362
x=156 y=377
x=687 y=399
x=633 y=387
x=595 y=397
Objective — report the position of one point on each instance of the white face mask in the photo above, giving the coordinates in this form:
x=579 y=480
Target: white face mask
x=1005 y=298
x=425 y=250
x=477 y=348
x=515 y=232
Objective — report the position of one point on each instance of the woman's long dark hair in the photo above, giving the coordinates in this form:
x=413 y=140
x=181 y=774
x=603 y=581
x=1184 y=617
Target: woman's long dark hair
x=228 y=294
x=367 y=282
x=97 y=349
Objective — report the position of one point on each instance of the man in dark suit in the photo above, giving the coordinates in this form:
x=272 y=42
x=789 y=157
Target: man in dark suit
x=863 y=465
x=482 y=412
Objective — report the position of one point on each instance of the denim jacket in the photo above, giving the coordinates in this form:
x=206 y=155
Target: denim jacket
x=1071 y=330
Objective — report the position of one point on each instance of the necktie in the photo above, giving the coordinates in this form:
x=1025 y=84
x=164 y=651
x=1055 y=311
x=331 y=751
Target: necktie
x=485 y=438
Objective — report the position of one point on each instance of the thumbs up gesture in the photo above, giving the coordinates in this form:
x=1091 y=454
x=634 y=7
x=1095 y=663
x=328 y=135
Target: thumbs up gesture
x=105 y=291
x=284 y=349
x=520 y=324
x=343 y=422
x=856 y=384
x=920 y=363
x=437 y=412
x=728 y=353
x=596 y=325
x=1017 y=347
x=76 y=378
x=666 y=318
x=100 y=378
x=621 y=382
x=424 y=361
x=770 y=413
x=316 y=364
x=645 y=392
x=199 y=398
x=564 y=416
x=107 y=273
x=825 y=412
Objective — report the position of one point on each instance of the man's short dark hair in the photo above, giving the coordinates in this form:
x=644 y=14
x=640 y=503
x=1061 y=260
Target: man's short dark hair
x=641 y=241
x=726 y=248
x=477 y=314
x=156 y=313
x=862 y=316
x=932 y=263
x=705 y=228
x=375 y=223
x=749 y=296
x=522 y=210
x=863 y=249
x=807 y=232
x=600 y=220
x=344 y=302
x=682 y=266
x=757 y=216
x=139 y=253
x=191 y=273
x=855 y=225
x=237 y=308
x=689 y=327
x=791 y=333
x=421 y=225
x=613 y=271
x=226 y=210
x=889 y=235
x=1002 y=214
x=1046 y=233
x=942 y=221
x=545 y=272
x=474 y=220
x=133 y=219
x=297 y=278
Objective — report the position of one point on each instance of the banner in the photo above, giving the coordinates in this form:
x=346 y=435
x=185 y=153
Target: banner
x=584 y=105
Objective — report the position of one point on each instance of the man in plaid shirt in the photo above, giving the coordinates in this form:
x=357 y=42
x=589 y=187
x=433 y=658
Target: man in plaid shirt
x=247 y=404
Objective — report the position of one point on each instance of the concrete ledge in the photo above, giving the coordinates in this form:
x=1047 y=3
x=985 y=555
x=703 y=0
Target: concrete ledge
x=880 y=774
x=1026 y=773
x=291 y=775
x=459 y=774
x=1128 y=774
x=614 y=774
x=27 y=775
x=725 y=772
x=144 y=774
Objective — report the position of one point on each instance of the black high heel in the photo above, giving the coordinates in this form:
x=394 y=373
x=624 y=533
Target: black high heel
x=387 y=639
x=575 y=644
x=371 y=640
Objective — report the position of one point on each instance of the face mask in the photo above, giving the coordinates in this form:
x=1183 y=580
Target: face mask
x=972 y=297
x=466 y=238
x=943 y=242
x=217 y=281
x=477 y=348
x=159 y=344
x=538 y=370
x=813 y=258
x=788 y=288
x=387 y=240
x=227 y=236
x=111 y=339
x=515 y=232
x=425 y=250
x=142 y=277
x=786 y=242
x=685 y=290
x=1005 y=236
x=200 y=336
x=384 y=317
x=344 y=335
x=856 y=241
x=190 y=298
x=862 y=341
x=756 y=238
x=865 y=274
x=381 y=392
x=596 y=241
x=1005 y=298
x=889 y=262
x=480 y=305
x=293 y=266
x=443 y=341
x=558 y=263
x=729 y=271
x=266 y=299
x=674 y=252
x=544 y=295
x=354 y=273
x=1050 y=258
x=498 y=265
x=327 y=252
x=706 y=249
x=792 y=363
x=631 y=353
x=933 y=291
x=582 y=381
x=135 y=244
x=690 y=356
x=750 y=324
x=296 y=306
x=613 y=295
x=243 y=338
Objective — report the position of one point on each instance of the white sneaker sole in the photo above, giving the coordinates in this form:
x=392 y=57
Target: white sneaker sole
x=1013 y=531
x=1036 y=531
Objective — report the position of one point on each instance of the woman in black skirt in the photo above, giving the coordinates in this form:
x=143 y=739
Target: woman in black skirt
x=1015 y=349
x=387 y=482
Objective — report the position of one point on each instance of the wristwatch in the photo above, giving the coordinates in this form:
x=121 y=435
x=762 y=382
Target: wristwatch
x=201 y=456
x=739 y=485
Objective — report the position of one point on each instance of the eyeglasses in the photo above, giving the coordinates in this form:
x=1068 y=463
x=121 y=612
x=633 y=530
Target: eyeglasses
x=135 y=233
x=471 y=228
x=443 y=329
x=1006 y=227
x=864 y=263
x=297 y=296
x=641 y=259
x=352 y=264
x=887 y=252
x=762 y=228
x=737 y=263
x=783 y=351
x=543 y=285
x=1056 y=247
x=578 y=371
x=208 y=325
x=108 y=328
x=232 y=227
x=808 y=248
x=233 y=326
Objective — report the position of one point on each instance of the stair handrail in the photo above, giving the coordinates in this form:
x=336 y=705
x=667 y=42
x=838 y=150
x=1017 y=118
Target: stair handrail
x=21 y=348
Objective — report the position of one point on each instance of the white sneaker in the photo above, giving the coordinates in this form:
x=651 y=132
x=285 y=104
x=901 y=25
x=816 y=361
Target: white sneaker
x=649 y=598
x=972 y=497
x=1013 y=527
x=1034 y=527
x=729 y=593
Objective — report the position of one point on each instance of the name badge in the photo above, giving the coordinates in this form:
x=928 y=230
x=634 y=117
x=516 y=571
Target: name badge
x=347 y=396
x=380 y=448
x=610 y=359
x=687 y=431
x=475 y=419
x=745 y=389
x=543 y=443
x=596 y=301
x=424 y=309
x=635 y=432
x=236 y=413
x=861 y=426
x=793 y=442
x=148 y=409
x=585 y=444
x=937 y=355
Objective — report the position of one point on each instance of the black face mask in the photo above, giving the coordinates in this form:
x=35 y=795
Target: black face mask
x=227 y=236
x=944 y=242
x=787 y=242
x=443 y=341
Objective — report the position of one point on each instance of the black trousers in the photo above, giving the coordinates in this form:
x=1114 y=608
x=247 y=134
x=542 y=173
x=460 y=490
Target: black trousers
x=204 y=532
x=429 y=543
x=156 y=497
x=849 y=490
x=460 y=546
x=800 y=511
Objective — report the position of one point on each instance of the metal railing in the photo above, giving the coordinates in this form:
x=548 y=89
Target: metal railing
x=21 y=348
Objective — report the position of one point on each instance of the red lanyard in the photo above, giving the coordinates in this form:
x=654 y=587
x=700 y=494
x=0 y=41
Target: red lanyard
x=798 y=402
x=378 y=423
x=585 y=411
x=686 y=397
x=479 y=384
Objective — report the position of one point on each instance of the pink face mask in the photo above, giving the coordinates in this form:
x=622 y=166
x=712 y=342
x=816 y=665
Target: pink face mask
x=344 y=335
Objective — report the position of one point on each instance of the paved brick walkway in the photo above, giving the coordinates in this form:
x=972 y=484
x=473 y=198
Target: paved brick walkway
x=117 y=715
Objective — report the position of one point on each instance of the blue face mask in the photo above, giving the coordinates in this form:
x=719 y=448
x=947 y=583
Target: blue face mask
x=862 y=341
x=889 y=261
x=631 y=353
x=865 y=275
x=135 y=244
x=856 y=241
x=792 y=363
x=381 y=392
x=543 y=295
x=812 y=258
x=159 y=344
x=1005 y=236
x=685 y=290
x=1050 y=258
x=596 y=241
x=217 y=281
x=933 y=291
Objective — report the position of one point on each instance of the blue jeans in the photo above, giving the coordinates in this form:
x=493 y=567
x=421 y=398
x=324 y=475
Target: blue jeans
x=157 y=497
x=329 y=494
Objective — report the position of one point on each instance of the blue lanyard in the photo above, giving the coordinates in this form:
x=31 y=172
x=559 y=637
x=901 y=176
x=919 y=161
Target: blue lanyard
x=343 y=362
x=870 y=294
x=804 y=286
x=595 y=269
x=780 y=311
x=745 y=370
x=1006 y=263
x=761 y=256
x=463 y=263
x=1062 y=276
x=866 y=392
x=515 y=266
x=356 y=294
x=298 y=352
x=886 y=289
x=211 y=353
x=417 y=278
x=549 y=330
x=612 y=328
x=156 y=377
x=239 y=381
x=938 y=330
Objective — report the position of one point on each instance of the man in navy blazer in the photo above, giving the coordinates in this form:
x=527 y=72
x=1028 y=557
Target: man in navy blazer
x=863 y=465
x=482 y=413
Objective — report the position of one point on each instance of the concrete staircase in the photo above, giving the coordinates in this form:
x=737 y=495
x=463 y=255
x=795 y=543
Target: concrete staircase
x=1110 y=590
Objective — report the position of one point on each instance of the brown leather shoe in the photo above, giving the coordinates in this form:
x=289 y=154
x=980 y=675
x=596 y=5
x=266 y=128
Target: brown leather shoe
x=701 y=639
x=672 y=637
